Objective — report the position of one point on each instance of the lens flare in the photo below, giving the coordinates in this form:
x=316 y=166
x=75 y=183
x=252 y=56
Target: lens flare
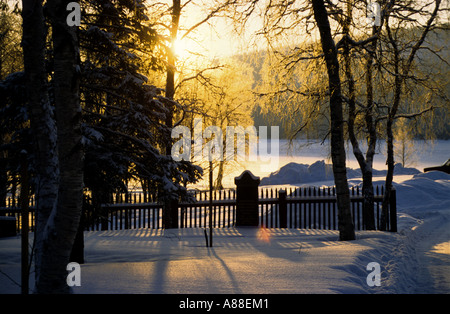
x=263 y=235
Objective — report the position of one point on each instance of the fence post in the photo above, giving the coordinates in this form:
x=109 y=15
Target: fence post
x=393 y=210
x=170 y=214
x=282 y=208
x=247 y=199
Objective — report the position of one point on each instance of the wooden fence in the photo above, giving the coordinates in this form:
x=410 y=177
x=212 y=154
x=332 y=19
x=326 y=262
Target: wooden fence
x=305 y=208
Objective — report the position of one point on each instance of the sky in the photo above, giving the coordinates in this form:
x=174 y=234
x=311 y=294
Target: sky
x=214 y=39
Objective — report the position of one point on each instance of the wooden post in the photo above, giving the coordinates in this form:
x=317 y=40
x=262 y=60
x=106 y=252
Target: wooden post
x=393 y=210
x=174 y=213
x=169 y=214
x=247 y=199
x=282 y=208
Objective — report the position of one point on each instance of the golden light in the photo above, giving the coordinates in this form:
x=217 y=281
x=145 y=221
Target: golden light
x=263 y=235
x=192 y=53
x=442 y=248
x=183 y=48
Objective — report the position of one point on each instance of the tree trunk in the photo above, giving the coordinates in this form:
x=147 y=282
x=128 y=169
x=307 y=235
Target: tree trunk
x=390 y=135
x=389 y=176
x=346 y=228
x=3 y=179
x=171 y=68
x=41 y=120
x=365 y=164
x=64 y=222
x=24 y=203
x=170 y=92
x=368 y=193
x=219 y=179
x=401 y=72
x=77 y=253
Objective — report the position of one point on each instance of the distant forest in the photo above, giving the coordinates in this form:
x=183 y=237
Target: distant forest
x=440 y=129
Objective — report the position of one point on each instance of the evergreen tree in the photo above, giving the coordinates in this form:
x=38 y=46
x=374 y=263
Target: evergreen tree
x=124 y=116
x=13 y=130
x=121 y=127
x=15 y=134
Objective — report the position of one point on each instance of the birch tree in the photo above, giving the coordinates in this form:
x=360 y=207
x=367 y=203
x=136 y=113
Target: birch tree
x=285 y=18
x=62 y=223
x=403 y=57
x=42 y=122
x=345 y=225
x=350 y=47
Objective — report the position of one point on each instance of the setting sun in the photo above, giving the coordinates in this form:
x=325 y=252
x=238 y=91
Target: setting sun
x=183 y=48
x=209 y=47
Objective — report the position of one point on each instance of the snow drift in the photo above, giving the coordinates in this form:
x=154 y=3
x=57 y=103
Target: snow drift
x=296 y=173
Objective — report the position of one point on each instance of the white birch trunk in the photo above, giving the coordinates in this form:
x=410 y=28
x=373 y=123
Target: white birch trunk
x=63 y=224
x=41 y=119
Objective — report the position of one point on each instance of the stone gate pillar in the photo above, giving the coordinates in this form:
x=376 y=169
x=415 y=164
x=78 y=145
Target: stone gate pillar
x=247 y=199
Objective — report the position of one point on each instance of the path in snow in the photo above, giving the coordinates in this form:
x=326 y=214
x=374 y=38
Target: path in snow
x=433 y=254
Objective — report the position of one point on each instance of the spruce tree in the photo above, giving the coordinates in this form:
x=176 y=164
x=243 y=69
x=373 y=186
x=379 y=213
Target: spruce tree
x=124 y=115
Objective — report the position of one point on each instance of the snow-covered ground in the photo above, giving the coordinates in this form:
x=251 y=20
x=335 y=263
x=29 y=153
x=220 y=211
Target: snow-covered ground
x=416 y=259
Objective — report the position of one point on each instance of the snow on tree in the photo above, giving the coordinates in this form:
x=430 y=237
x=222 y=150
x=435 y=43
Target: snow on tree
x=124 y=116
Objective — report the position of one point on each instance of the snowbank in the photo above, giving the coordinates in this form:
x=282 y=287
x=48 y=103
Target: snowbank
x=429 y=191
x=296 y=173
